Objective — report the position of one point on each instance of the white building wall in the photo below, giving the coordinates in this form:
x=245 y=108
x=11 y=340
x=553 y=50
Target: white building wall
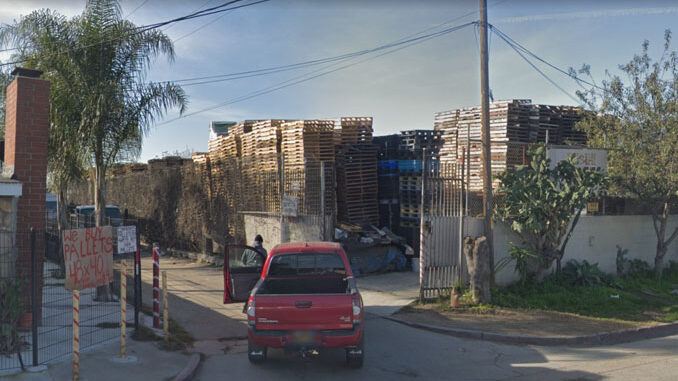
x=594 y=239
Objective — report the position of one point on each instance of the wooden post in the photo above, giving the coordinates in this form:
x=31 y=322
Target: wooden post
x=123 y=310
x=165 y=307
x=485 y=136
x=76 y=335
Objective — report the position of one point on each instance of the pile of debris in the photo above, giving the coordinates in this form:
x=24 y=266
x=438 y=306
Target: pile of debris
x=373 y=250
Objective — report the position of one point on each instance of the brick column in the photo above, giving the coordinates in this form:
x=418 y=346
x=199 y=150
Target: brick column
x=26 y=133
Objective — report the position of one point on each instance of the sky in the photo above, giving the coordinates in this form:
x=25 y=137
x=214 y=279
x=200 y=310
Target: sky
x=401 y=90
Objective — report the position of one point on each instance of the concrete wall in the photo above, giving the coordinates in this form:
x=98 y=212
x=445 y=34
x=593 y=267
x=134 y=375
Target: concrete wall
x=302 y=228
x=594 y=239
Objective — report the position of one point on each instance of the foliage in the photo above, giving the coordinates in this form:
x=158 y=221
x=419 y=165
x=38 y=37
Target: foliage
x=582 y=273
x=97 y=61
x=543 y=205
x=5 y=80
x=10 y=312
x=522 y=257
x=637 y=119
x=621 y=262
x=603 y=301
x=637 y=266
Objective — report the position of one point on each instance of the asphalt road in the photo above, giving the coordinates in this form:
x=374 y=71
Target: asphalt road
x=393 y=351
x=396 y=352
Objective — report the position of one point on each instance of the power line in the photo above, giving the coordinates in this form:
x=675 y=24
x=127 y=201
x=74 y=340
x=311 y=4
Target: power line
x=276 y=69
x=201 y=27
x=517 y=45
x=402 y=44
x=539 y=70
x=144 y=28
x=196 y=9
x=135 y=9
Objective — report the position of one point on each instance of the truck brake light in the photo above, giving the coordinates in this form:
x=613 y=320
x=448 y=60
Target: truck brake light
x=357 y=308
x=250 y=312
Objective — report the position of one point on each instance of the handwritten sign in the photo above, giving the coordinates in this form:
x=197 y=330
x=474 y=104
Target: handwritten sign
x=88 y=255
x=127 y=239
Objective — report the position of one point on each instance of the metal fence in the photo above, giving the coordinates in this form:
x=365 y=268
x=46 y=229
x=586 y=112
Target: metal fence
x=441 y=232
x=47 y=333
x=251 y=186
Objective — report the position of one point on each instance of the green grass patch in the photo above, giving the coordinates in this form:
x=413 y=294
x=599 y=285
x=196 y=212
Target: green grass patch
x=637 y=297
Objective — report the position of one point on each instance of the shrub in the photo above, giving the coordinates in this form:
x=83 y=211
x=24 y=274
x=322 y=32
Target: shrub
x=582 y=273
x=638 y=266
x=10 y=311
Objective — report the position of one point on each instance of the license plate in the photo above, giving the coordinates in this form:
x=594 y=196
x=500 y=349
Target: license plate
x=303 y=337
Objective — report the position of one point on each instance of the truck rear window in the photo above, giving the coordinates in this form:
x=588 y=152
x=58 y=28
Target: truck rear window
x=306 y=264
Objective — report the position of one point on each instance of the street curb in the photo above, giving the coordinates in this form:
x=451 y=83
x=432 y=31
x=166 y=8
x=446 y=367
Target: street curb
x=616 y=337
x=189 y=371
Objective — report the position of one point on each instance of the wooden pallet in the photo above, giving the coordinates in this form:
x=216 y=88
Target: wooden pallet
x=513 y=124
x=307 y=140
x=355 y=130
x=357 y=184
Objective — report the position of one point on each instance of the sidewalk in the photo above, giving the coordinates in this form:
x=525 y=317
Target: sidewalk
x=102 y=363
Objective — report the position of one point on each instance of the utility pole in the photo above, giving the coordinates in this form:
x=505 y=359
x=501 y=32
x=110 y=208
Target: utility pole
x=485 y=120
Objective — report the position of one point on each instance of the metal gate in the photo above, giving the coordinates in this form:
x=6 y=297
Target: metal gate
x=441 y=228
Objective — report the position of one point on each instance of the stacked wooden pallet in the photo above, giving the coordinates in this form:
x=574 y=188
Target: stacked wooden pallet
x=357 y=184
x=446 y=123
x=513 y=124
x=267 y=137
x=224 y=147
x=307 y=140
x=355 y=130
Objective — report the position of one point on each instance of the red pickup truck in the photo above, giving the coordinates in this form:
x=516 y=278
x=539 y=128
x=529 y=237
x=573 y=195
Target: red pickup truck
x=301 y=297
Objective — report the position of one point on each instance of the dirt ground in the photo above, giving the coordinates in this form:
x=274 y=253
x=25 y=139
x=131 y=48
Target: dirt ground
x=515 y=322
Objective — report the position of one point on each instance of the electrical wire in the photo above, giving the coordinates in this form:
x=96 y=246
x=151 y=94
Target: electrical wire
x=402 y=44
x=200 y=27
x=298 y=65
x=520 y=47
x=144 y=28
x=135 y=9
x=541 y=72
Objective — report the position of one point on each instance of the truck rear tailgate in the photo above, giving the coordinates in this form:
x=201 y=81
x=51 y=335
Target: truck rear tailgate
x=303 y=312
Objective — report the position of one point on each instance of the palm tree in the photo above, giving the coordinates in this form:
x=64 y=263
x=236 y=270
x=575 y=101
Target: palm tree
x=102 y=106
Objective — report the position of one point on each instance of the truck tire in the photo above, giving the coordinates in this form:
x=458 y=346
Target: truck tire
x=255 y=353
x=355 y=356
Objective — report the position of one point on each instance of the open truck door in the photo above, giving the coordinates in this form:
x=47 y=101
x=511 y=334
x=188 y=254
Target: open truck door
x=242 y=270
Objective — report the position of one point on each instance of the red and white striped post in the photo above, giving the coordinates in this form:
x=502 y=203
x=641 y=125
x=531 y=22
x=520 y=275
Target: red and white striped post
x=76 y=335
x=156 y=286
x=123 y=310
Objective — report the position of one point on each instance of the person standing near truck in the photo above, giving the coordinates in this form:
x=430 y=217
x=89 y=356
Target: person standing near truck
x=250 y=257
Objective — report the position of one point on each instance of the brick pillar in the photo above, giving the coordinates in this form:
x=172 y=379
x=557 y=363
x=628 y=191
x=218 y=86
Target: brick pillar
x=26 y=131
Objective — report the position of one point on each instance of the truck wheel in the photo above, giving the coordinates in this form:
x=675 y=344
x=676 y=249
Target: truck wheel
x=255 y=353
x=355 y=356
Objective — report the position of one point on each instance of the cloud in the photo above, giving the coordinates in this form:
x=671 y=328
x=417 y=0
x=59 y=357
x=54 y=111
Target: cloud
x=590 y=14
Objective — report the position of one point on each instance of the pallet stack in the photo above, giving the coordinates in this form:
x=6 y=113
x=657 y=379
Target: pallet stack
x=354 y=131
x=356 y=164
x=305 y=144
x=388 y=181
x=513 y=124
x=413 y=144
x=307 y=140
